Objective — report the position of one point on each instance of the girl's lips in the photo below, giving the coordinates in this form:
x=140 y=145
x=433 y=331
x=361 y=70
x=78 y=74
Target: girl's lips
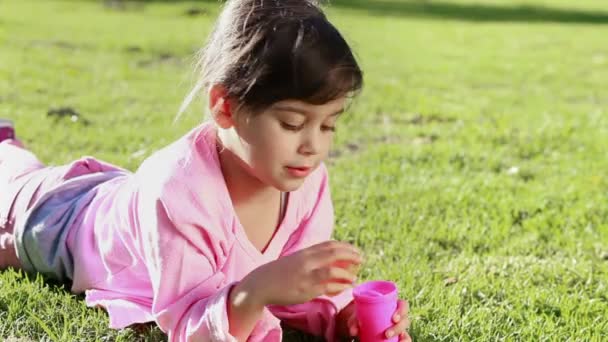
x=298 y=172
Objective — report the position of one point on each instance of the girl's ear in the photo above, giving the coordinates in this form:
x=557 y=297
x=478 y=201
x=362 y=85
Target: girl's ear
x=220 y=106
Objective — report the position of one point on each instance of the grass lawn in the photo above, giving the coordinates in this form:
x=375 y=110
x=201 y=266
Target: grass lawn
x=472 y=170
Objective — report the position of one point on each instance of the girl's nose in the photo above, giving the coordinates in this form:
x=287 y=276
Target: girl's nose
x=311 y=143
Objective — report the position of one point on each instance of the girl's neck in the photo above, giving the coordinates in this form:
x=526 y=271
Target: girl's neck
x=243 y=187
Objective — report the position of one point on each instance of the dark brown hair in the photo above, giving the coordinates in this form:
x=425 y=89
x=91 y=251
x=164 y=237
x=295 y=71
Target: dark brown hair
x=265 y=51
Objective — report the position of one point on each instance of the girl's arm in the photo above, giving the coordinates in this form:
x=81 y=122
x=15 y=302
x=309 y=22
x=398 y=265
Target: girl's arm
x=244 y=310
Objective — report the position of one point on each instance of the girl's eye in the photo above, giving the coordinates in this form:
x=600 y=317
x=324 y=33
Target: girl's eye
x=290 y=127
x=328 y=128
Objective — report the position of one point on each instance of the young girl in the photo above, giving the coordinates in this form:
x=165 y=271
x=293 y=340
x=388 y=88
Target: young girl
x=226 y=231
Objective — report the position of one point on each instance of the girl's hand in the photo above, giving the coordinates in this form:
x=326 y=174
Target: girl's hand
x=400 y=318
x=305 y=275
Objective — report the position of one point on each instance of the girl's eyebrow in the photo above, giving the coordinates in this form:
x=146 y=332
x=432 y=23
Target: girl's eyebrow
x=301 y=111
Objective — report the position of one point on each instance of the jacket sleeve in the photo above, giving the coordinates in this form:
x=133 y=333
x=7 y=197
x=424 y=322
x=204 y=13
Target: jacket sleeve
x=316 y=317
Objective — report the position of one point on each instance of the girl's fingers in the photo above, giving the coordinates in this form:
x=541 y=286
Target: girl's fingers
x=333 y=289
x=329 y=274
x=333 y=244
x=405 y=308
x=405 y=337
x=332 y=251
x=336 y=274
x=331 y=256
x=398 y=328
x=402 y=310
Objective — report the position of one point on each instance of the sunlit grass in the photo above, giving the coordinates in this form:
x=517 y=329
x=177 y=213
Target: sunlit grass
x=472 y=170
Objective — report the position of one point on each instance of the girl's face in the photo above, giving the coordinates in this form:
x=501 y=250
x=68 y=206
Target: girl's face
x=284 y=144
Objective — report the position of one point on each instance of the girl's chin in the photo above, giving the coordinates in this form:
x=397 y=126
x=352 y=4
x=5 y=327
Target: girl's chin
x=288 y=185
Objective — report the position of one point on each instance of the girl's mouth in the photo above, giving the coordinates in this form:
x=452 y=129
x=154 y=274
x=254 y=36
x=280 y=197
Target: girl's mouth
x=298 y=172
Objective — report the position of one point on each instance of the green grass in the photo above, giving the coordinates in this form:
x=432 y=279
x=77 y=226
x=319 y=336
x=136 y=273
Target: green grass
x=472 y=170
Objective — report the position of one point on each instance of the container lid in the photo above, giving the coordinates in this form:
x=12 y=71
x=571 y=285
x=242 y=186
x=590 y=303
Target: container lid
x=375 y=291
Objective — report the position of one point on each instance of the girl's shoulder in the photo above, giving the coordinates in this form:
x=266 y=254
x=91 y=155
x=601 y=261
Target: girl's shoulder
x=174 y=162
x=185 y=176
x=178 y=196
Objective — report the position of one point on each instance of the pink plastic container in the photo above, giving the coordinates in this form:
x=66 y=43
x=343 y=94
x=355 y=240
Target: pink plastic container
x=6 y=130
x=375 y=303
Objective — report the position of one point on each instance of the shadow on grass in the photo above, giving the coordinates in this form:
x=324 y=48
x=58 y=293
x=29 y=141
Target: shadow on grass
x=292 y=335
x=476 y=12
x=147 y=332
x=473 y=12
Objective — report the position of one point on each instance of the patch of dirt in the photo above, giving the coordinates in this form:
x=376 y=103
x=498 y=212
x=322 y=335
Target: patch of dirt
x=60 y=44
x=419 y=119
x=519 y=216
x=389 y=139
x=450 y=281
x=133 y=49
x=196 y=11
x=161 y=58
x=355 y=147
x=123 y=5
x=488 y=86
x=350 y=148
x=334 y=154
x=61 y=113
x=413 y=119
x=425 y=139
x=395 y=139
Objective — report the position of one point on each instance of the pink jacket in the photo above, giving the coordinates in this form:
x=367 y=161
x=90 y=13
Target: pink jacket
x=164 y=244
